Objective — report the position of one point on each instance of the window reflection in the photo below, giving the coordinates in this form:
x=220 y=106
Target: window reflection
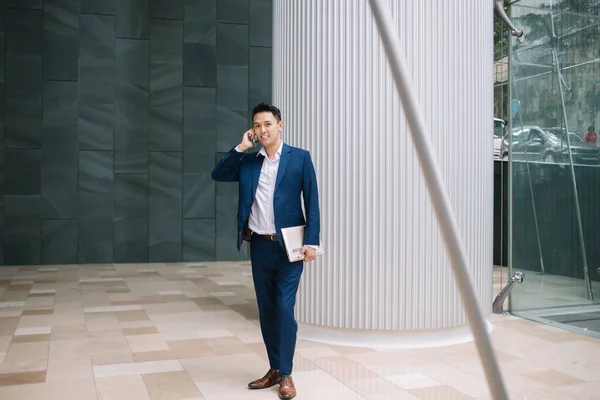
x=551 y=140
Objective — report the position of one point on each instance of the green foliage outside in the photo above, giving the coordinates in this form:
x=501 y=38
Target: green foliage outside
x=576 y=25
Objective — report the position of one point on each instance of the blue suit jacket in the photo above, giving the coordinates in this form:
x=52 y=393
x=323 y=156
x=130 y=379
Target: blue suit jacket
x=296 y=179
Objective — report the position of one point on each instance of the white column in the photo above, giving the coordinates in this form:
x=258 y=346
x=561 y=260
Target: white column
x=385 y=278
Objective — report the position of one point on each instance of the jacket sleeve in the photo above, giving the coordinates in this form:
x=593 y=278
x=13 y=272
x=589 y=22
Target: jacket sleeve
x=310 y=193
x=228 y=169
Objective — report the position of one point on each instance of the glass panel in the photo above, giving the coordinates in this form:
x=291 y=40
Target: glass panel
x=555 y=82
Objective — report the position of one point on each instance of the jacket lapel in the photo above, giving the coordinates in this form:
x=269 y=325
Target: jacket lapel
x=286 y=153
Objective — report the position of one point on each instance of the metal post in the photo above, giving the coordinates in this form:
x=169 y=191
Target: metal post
x=498 y=304
x=439 y=198
x=509 y=252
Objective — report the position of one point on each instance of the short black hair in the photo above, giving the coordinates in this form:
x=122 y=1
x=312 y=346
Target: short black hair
x=264 y=107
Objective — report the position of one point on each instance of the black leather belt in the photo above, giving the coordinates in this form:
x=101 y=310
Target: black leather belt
x=270 y=236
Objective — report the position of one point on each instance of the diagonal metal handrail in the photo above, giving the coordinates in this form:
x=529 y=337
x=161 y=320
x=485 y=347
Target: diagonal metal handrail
x=439 y=198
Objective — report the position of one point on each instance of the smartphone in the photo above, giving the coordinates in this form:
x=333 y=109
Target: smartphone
x=255 y=138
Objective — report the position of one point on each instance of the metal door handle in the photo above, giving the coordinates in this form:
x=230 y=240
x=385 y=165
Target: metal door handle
x=499 y=9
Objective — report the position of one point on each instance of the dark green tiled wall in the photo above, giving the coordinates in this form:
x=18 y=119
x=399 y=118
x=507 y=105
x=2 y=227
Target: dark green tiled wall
x=112 y=116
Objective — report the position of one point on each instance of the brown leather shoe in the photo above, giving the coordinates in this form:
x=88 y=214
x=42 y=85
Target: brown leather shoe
x=286 y=388
x=270 y=379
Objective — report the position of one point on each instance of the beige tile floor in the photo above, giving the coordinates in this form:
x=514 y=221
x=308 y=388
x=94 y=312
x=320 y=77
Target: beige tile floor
x=190 y=331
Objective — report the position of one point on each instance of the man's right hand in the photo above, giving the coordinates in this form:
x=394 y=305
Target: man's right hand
x=247 y=142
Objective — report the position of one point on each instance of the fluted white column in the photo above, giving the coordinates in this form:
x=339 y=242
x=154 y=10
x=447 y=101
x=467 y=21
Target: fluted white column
x=385 y=277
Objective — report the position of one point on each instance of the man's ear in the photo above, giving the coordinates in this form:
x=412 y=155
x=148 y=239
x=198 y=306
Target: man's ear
x=280 y=125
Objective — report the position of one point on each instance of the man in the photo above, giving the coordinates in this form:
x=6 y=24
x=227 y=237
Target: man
x=272 y=183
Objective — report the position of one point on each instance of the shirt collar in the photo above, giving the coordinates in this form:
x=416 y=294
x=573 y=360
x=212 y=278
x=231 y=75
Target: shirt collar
x=263 y=152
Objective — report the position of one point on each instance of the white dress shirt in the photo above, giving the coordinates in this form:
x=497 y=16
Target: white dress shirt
x=262 y=215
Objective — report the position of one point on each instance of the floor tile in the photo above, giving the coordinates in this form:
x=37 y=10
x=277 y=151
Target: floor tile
x=39 y=330
x=74 y=389
x=235 y=389
x=375 y=386
x=34 y=351
x=112 y=308
x=159 y=355
x=122 y=388
x=462 y=381
x=319 y=384
x=544 y=394
x=42 y=291
x=103 y=371
x=317 y=352
x=214 y=333
x=397 y=363
x=101 y=322
x=114 y=358
x=413 y=381
x=47 y=311
x=68 y=369
x=348 y=350
x=32 y=338
x=99 y=280
x=403 y=395
x=171 y=386
x=519 y=383
x=140 y=331
x=8 y=325
x=68 y=332
x=241 y=366
x=343 y=368
x=10 y=314
x=227 y=346
x=248 y=336
x=22 y=378
x=186 y=344
x=222 y=294
x=143 y=343
x=188 y=330
x=8 y=304
x=89 y=347
x=553 y=378
x=439 y=393
x=130 y=316
x=170 y=292
x=581 y=391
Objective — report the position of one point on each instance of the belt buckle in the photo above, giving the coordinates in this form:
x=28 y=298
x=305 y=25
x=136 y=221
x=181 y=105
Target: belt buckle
x=273 y=237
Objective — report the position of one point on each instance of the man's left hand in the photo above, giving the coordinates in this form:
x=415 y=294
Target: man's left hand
x=309 y=253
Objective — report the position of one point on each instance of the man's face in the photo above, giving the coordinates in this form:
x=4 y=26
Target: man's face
x=267 y=128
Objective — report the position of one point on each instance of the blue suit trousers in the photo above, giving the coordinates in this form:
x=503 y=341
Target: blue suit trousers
x=276 y=283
